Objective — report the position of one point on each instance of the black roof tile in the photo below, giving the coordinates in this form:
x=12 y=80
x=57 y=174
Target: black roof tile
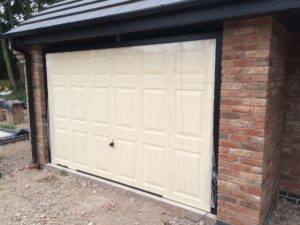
x=68 y=12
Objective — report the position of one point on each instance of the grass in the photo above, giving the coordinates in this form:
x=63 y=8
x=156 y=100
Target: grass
x=63 y=173
x=8 y=127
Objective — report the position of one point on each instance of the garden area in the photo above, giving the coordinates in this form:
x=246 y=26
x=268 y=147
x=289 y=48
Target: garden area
x=13 y=97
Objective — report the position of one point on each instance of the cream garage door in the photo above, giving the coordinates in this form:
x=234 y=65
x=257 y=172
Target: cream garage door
x=154 y=102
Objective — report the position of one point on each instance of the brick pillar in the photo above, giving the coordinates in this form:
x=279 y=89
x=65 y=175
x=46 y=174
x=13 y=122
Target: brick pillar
x=290 y=165
x=39 y=95
x=275 y=110
x=250 y=137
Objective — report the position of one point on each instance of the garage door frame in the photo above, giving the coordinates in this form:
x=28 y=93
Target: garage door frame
x=117 y=43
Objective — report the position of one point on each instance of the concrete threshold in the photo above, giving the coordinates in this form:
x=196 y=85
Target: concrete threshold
x=179 y=209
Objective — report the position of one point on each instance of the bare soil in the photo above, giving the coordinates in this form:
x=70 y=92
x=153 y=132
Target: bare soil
x=45 y=197
x=29 y=197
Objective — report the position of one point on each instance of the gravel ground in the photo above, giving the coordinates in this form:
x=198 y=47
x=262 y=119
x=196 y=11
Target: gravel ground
x=44 y=197
x=285 y=213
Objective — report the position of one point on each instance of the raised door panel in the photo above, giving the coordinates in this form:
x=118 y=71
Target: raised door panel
x=60 y=142
x=154 y=111
x=156 y=64
x=195 y=61
x=79 y=65
x=186 y=185
x=127 y=161
x=104 y=156
x=188 y=113
x=81 y=150
x=100 y=112
x=155 y=168
x=126 y=113
x=125 y=66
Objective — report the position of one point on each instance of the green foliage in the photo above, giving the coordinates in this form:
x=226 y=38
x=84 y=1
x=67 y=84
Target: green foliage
x=19 y=94
x=4 y=84
x=13 y=12
x=10 y=127
x=63 y=173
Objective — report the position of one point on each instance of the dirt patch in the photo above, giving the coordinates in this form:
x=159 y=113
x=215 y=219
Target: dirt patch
x=45 y=197
x=285 y=213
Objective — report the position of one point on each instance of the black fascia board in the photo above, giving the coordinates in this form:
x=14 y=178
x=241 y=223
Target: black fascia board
x=162 y=20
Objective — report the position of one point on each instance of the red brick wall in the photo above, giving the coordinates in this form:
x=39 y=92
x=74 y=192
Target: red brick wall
x=274 y=115
x=252 y=100
x=39 y=95
x=290 y=163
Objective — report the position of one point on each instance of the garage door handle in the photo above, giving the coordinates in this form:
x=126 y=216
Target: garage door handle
x=112 y=144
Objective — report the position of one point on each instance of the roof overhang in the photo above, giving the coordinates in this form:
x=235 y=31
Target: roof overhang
x=158 y=19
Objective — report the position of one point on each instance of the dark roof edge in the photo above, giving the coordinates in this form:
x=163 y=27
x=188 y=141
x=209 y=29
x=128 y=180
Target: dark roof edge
x=76 y=13
x=159 y=9
x=42 y=13
x=117 y=25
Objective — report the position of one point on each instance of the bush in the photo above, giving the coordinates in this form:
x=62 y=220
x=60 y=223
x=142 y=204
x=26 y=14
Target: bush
x=17 y=95
x=7 y=127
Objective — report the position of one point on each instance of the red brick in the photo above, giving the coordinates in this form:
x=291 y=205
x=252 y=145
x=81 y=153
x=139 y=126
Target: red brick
x=244 y=46
x=253 y=132
x=230 y=115
x=252 y=162
x=231 y=101
x=230 y=130
x=227 y=199
x=240 y=138
x=246 y=30
x=242 y=109
x=258 y=54
x=231 y=86
x=259 y=125
x=258 y=70
x=252 y=146
x=243 y=78
x=230 y=144
x=233 y=55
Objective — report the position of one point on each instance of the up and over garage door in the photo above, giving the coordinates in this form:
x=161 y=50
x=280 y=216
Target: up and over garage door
x=141 y=116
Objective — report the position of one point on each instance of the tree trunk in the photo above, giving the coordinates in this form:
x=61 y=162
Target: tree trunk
x=12 y=23
x=7 y=61
x=11 y=19
x=22 y=74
